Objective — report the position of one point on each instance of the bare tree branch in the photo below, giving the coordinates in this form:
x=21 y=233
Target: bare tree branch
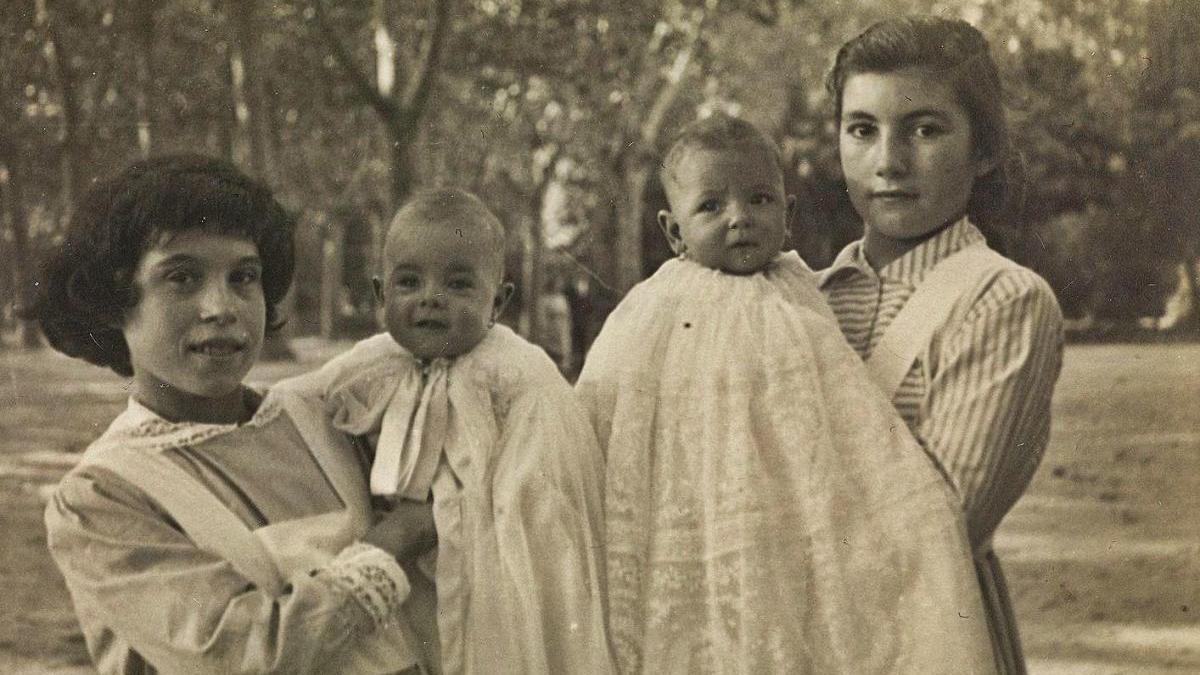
x=420 y=83
x=72 y=166
x=656 y=115
x=386 y=107
x=768 y=14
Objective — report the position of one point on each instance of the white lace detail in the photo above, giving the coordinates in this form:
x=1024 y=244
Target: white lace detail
x=373 y=577
x=139 y=427
x=767 y=511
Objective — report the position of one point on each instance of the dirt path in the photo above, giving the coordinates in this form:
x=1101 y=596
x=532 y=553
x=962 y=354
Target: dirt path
x=1103 y=554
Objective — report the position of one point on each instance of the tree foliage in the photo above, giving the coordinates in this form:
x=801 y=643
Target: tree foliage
x=556 y=111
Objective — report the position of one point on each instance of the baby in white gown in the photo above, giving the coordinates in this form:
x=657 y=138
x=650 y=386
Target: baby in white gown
x=466 y=414
x=767 y=511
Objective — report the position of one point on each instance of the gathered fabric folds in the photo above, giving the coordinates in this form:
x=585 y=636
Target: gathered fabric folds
x=516 y=495
x=767 y=510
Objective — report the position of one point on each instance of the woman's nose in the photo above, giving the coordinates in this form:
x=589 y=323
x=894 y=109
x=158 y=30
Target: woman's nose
x=219 y=303
x=893 y=156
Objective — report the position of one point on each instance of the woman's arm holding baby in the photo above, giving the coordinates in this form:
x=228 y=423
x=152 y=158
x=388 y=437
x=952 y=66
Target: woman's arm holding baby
x=185 y=609
x=987 y=416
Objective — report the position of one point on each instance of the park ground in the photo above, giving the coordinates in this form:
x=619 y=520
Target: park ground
x=1102 y=554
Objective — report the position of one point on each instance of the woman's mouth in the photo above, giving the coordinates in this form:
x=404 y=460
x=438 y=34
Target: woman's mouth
x=893 y=195
x=218 y=347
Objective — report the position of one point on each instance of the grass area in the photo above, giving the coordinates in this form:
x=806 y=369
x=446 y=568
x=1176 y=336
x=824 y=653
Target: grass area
x=1103 y=554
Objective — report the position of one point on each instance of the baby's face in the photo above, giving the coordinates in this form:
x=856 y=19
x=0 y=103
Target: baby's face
x=441 y=289
x=728 y=210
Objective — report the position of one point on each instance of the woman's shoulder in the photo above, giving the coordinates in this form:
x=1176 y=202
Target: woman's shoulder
x=95 y=496
x=1014 y=281
x=1011 y=289
x=139 y=429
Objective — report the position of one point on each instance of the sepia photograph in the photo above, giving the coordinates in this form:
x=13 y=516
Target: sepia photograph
x=600 y=336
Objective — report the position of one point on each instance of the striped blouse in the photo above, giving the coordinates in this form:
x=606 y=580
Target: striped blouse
x=978 y=398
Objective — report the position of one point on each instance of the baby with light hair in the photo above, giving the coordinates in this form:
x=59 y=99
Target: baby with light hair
x=467 y=415
x=767 y=511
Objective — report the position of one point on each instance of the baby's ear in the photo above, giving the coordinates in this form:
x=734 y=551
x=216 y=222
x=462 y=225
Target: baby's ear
x=670 y=228
x=377 y=284
x=504 y=293
x=787 y=220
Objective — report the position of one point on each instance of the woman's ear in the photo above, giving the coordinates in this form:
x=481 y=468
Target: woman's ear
x=503 y=294
x=670 y=228
x=377 y=286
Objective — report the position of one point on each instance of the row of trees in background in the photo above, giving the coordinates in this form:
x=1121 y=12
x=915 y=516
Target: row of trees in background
x=555 y=112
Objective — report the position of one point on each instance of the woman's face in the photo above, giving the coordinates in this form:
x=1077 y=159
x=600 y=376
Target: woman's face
x=907 y=155
x=198 y=325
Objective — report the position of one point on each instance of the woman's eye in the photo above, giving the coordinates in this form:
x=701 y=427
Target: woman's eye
x=860 y=130
x=248 y=276
x=927 y=130
x=460 y=285
x=181 y=277
x=762 y=198
x=708 y=206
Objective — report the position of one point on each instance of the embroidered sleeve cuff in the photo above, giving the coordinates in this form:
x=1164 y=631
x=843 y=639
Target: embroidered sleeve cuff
x=373 y=577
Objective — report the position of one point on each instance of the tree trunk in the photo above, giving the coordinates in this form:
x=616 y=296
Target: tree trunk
x=227 y=124
x=331 y=278
x=531 y=277
x=403 y=140
x=631 y=207
x=21 y=257
x=247 y=90
x=1191 y=268
x=252 y=129
x=143 y=61
x=400 y=106
x=70 y=149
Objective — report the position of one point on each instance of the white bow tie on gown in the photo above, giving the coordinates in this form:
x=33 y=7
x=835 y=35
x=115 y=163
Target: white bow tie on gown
x=412 y=436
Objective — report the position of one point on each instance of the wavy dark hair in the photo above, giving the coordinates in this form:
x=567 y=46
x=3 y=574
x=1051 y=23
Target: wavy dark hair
x=86 y=284
x=957 y=51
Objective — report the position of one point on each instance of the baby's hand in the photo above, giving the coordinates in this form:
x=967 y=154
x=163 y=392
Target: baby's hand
x=406 y=531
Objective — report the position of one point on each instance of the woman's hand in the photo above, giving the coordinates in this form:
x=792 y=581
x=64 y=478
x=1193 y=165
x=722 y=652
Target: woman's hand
x=406 y=531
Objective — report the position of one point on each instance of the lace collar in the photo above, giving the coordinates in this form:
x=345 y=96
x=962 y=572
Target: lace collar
x=142 y=428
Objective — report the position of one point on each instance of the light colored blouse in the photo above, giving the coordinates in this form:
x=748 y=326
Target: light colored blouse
x=979 y=397
x=151 y=600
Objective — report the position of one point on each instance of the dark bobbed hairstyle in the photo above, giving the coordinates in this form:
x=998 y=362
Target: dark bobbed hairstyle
x=954 y=50
x=86 y=286
x=721 y=133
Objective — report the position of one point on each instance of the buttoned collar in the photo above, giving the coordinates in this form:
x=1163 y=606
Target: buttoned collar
x=911 y=267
